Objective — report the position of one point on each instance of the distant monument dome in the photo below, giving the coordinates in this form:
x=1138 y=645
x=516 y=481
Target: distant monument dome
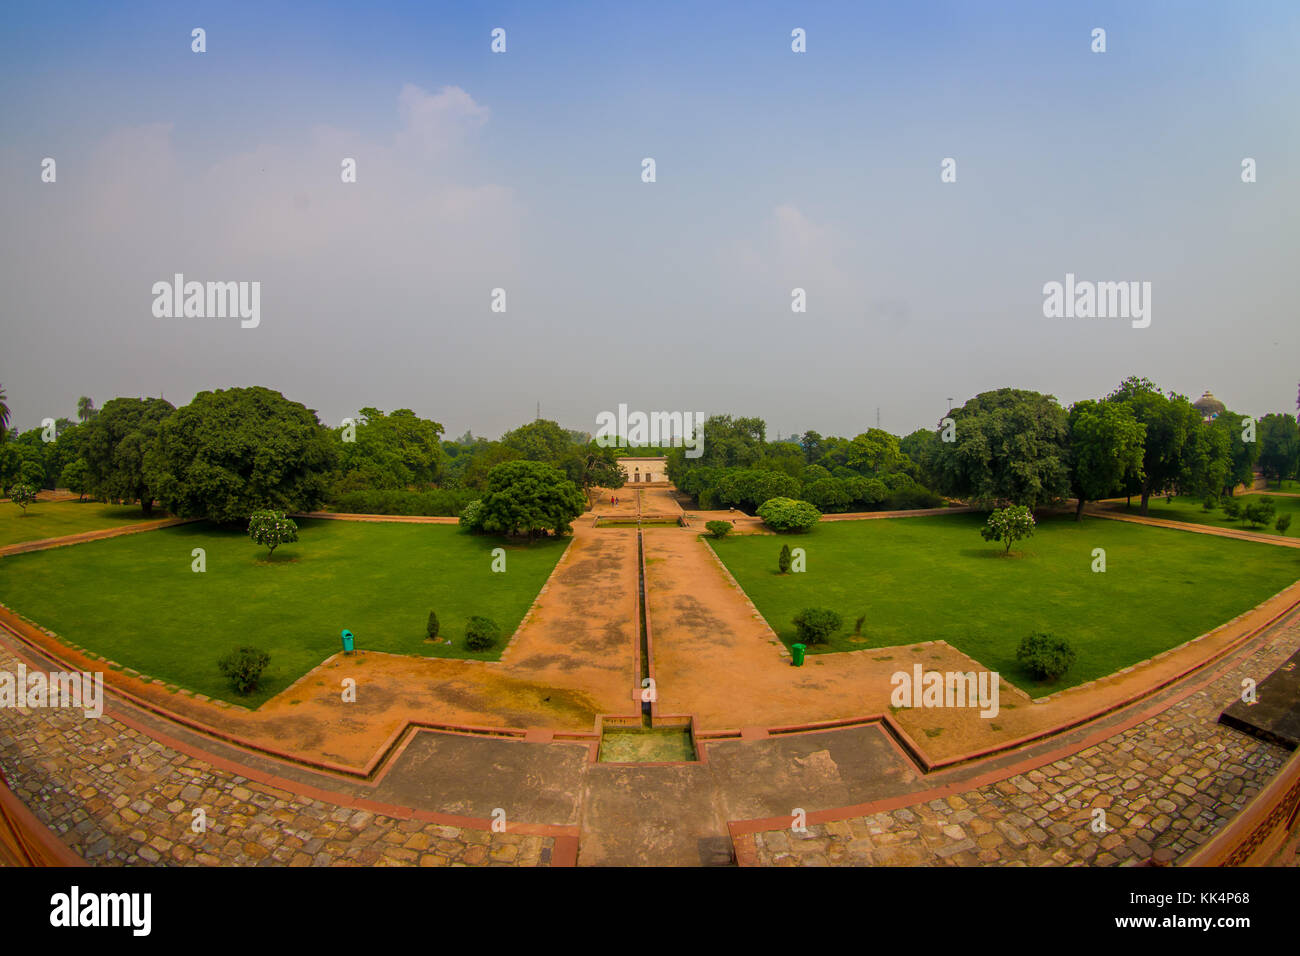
x=1209 y=406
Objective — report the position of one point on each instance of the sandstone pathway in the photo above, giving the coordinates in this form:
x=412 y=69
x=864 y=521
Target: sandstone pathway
x=118 y=797
x=1165 y=786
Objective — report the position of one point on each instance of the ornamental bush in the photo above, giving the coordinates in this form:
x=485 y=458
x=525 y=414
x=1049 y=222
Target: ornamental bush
x=243 y=667
x=788 y=515
x=272 y=529
x=481 y=633
x=1283 y=522
x=783 y=559
x=431 y=628
x=1008 y=525
x=1045 y=657
x=1260 y=512
x=22 y=495
x=815 y=625
x=719 y=529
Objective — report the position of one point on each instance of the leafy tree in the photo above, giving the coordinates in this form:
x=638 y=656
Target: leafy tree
x=1279 y=446
x=272 y=529
x=1232 y=508
x=1010 y=445
x=1008 y=525
x=786 y=514
x=86 y=409
x=238 y=450
x=117 y=442
x=4 y=415
x=1105 y=446
x=1242 y=455
x=472 y=517
x=530 y=497
x=829 y=495
x=76 y=477
x=600 y=469
x=815 y=625
x=811 y=443
x=22 y=495
x=1171 y=426
x=32 y=473
x=718 y=529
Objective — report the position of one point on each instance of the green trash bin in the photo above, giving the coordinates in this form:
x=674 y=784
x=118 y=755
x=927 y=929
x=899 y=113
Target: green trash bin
x=347 y=641
x=798 y=650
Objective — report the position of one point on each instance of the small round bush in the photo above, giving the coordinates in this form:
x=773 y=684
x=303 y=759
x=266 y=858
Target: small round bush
x=788 y=515
x=481 y=633
x=243 y=667
x=1210 y=503
x=1283 y=522
x=431 y=628
x=719 y=529
x=815 y=625
x=1044 y=656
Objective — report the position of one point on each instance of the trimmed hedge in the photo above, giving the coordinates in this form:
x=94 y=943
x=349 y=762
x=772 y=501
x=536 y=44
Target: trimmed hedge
x=443 y=502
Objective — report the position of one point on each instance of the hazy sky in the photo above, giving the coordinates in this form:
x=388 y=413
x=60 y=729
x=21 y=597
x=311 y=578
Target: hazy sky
x=522 y=171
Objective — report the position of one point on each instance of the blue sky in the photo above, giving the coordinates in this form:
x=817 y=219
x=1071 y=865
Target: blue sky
x=774 y=170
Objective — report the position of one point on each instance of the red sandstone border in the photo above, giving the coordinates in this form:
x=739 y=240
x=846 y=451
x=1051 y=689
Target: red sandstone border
x=26 y=838
x=44 y=544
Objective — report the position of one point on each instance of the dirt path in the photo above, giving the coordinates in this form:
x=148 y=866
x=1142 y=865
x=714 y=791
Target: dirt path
x=1277 y=539
x=22 y=547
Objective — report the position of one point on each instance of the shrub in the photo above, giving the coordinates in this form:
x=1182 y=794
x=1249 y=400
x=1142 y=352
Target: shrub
x=1210 y=503
x=1044 y=656
x=243 y=666
x=783 y=559
x=816 y=624
x=431 y=628
x=1232 y=508
x=22 y=495
x=1008 y=525
x=471 y=518
x=1283 y=522
x=719 y=529
x=857 y=625
x=272 y=529
x=1260 y=512
x=786 y=514
x=481 y=633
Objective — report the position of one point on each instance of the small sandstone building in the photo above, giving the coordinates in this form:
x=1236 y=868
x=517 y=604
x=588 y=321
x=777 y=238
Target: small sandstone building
x=642 y=471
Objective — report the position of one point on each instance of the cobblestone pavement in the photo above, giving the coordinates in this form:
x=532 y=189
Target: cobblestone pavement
x=1165 y=786
x=118 y=797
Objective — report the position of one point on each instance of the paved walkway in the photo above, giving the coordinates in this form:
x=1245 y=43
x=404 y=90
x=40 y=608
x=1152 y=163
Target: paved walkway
x=42 y=544
x=1257 y=536
x=1164 y=785
x=118 y=797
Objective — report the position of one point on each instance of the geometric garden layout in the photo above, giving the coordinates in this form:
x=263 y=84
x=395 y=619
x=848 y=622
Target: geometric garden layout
x=995 y=629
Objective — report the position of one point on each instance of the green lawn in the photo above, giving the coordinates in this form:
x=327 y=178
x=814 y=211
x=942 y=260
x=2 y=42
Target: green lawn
x=53 y=519
x=921 y=579
x=1189 y=509
x=136 y=600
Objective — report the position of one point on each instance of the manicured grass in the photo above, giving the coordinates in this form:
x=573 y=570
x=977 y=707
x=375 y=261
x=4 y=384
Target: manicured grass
x=53 y=519
x=136 y=600
x=921 y=579
x=1189 y=509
